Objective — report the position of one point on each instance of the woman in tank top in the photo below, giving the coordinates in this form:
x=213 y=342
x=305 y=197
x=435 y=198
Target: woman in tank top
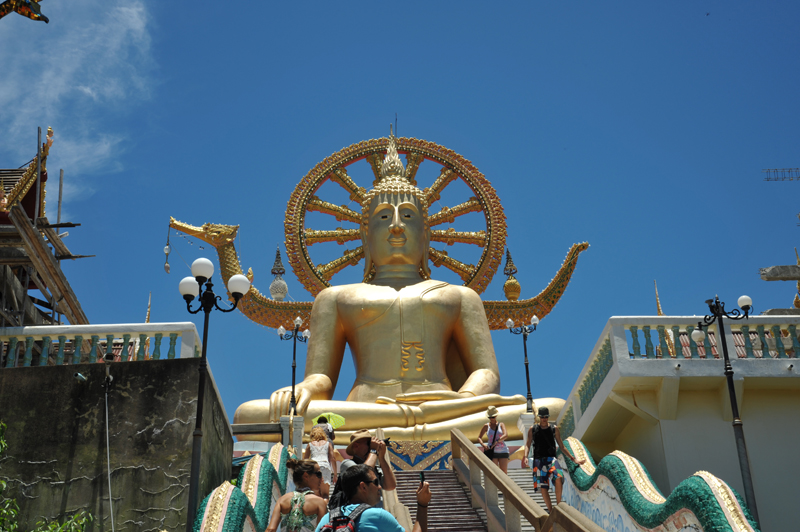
x=320 y=450
x=300 y=510
x=496 y=435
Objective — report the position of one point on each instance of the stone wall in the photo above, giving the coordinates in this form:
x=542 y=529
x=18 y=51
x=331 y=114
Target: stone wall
x=56 y=458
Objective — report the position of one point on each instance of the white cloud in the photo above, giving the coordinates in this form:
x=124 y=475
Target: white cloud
x=79 y=74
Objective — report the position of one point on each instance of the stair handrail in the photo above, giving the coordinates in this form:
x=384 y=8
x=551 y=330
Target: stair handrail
x=517 y=503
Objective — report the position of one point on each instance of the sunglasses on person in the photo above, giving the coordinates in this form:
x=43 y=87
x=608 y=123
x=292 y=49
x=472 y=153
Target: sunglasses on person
x=375 y=481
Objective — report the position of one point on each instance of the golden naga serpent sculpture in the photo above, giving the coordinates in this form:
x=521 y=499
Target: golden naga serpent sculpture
x=265 y=311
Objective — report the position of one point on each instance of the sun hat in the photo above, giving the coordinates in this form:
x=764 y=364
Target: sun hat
x=544 y=411
x=358 y=435
x=491 y=411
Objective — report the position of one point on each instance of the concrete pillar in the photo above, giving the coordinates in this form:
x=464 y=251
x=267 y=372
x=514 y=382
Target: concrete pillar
x=292 y=435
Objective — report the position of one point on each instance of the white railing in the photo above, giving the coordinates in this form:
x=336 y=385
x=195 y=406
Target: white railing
x=73 y=344
x=629 y=341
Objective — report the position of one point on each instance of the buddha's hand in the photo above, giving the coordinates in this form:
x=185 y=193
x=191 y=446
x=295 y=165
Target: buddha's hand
x=422 y=397
x=448 y=395
x=280 y=402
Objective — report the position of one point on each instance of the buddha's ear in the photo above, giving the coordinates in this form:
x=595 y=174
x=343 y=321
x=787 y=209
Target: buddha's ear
x=367 y=257
x=425 y=266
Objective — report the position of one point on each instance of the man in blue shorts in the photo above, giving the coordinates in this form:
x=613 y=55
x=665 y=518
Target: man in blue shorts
x=543 y=437
x=360 y=485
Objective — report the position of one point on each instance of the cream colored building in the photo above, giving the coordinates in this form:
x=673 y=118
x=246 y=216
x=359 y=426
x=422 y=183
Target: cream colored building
x=649 y=391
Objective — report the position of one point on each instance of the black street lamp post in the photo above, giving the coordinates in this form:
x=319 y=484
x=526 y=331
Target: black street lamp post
x=525 y=330
x=297 y=336
x=718 y=312
x=190 y=287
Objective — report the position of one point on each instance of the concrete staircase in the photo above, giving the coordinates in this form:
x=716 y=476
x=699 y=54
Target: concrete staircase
x=524 y=479
x=451 y=506
x=450 y=509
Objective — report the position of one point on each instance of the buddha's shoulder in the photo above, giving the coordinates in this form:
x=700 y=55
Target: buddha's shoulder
x=425 y=287
x=464 y=292
x=335 y=292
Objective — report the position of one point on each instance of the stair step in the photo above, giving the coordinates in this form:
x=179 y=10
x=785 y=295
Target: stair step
x=450 y=509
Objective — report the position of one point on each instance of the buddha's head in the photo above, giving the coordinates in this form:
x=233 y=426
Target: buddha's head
x=394 y=225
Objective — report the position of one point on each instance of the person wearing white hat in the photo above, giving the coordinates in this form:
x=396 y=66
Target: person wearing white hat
x=496 y=434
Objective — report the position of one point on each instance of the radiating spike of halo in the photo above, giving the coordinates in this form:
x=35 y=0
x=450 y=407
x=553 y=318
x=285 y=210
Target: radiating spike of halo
x=349 y=258
x=440 y=258
x=339 y=212
x=451 y=236
x=338 y=235
x=375 y=161
x=413 y=161
x=446 y=176
x=449 y=214
x=340 y=177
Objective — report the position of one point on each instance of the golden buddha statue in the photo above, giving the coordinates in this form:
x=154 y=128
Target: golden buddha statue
x=422 y=348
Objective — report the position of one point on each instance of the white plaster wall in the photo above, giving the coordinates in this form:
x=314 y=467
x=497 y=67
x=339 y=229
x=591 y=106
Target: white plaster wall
x=644 y=441
x=699 y=439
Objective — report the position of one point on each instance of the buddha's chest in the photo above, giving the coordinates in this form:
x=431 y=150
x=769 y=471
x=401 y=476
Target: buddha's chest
x=404 y=314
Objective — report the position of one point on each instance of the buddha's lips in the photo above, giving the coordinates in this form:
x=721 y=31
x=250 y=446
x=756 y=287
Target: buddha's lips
x=397 y=242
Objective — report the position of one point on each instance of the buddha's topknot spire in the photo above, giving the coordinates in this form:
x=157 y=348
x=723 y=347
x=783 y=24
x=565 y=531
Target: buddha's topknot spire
x=392 y=167
x=393 y=179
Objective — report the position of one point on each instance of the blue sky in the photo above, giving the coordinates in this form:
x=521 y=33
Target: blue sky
x=640 y=127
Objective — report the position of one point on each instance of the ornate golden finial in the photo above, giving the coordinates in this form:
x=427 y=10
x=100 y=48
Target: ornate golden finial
x=392 y=167
x=671 y=341
x=146 y=319
x=658 y=301
x=511 y=287
x=278 y=289
x=509 y=268
x=147 y=316
x=277 y=266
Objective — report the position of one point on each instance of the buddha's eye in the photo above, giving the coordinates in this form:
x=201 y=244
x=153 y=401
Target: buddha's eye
x=406 y=215
x=384 y=216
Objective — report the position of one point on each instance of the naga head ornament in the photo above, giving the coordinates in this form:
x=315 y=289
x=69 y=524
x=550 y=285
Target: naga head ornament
x=395 y=188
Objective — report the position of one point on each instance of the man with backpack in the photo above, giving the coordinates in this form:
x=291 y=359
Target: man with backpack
x=542 y=438
x=362 y=491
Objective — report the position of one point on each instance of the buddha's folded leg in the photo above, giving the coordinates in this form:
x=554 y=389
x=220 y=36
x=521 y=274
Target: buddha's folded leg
x=470 y=424
x=400 y=422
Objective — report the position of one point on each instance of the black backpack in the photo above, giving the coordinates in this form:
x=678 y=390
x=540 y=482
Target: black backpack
x=338 y=522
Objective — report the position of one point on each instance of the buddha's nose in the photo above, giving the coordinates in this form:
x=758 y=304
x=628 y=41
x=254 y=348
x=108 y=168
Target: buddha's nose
x=397 y=226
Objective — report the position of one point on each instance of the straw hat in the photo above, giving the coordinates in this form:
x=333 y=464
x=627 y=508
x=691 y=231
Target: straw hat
x=491 y=411
x=359 y=435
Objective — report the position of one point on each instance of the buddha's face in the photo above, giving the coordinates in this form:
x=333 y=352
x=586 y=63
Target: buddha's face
x=396 y=231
